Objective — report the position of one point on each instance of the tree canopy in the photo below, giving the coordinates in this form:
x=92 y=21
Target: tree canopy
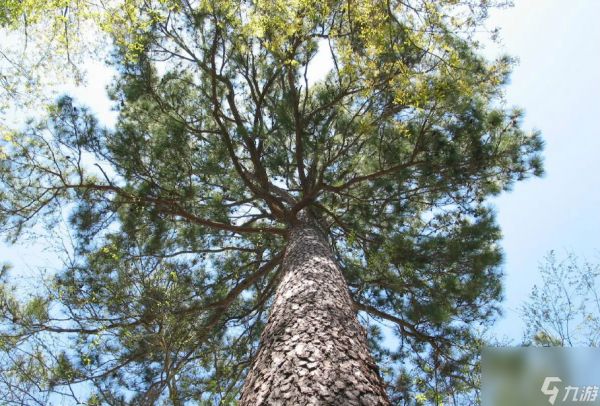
x=176 y=219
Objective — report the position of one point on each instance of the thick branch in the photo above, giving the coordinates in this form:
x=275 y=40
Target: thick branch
x=371 y=176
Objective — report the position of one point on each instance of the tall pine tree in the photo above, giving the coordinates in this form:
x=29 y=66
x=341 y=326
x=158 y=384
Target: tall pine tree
x=228 y=235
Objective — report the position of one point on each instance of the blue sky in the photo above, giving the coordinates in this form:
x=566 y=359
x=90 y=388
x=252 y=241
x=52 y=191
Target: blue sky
x=557 y=84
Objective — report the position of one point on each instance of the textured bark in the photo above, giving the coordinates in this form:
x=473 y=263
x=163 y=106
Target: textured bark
x=313 y=350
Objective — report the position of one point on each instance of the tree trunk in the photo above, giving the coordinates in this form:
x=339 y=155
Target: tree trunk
x=313 y=351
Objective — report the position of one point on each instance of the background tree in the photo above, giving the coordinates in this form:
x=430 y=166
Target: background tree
x=44 y=45
x=185 y=219
x=564 y=310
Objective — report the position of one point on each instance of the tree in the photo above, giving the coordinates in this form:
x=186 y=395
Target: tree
x=43 y=44
x=234 y=186
x=565 y=309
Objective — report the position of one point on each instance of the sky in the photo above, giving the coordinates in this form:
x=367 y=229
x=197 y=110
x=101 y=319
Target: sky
x=557 y=84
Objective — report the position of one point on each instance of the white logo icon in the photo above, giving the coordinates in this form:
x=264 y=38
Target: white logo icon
x=553 y=393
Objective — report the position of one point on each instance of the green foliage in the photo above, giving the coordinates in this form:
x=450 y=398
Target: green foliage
x=48 y=29
x=179 y=215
